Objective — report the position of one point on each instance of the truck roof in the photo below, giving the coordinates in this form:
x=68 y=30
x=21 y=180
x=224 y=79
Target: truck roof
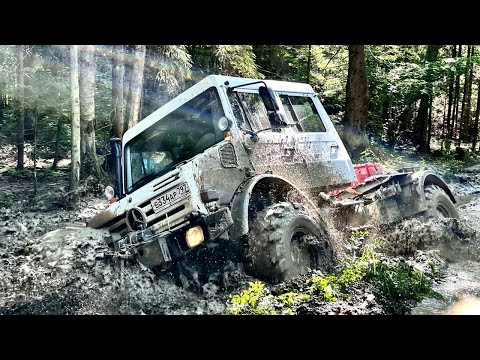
x=211 y=80
x=276 y=85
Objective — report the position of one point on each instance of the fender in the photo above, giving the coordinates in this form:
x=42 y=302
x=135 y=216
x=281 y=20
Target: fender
x=427 y=177
x=241 y=200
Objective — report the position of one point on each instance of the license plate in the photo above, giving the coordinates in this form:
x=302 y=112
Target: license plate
x=169 y=197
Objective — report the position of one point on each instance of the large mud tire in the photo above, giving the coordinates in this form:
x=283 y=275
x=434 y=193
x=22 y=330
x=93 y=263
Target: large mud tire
x=285 y=242
x=439 y=205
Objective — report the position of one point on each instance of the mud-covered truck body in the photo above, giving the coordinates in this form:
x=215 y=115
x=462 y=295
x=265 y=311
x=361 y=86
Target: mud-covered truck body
x=250 y=162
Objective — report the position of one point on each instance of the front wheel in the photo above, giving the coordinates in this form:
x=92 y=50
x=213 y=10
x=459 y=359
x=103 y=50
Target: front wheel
x=285 y=242
x=439 y=205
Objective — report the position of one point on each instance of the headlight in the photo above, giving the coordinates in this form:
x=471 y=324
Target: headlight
x=223 y=124
x=109 y=192
x=194 y=236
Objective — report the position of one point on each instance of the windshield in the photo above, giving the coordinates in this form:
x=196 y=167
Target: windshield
x=179 y=136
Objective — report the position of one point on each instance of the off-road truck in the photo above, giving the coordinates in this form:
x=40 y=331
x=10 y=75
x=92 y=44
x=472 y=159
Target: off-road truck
x=254 y=164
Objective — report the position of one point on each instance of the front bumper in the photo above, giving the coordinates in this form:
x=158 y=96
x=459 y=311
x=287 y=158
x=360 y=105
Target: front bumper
x=154 y=249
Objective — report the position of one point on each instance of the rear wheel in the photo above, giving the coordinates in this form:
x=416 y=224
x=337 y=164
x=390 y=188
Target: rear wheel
x=285 y=242
x=439 y=205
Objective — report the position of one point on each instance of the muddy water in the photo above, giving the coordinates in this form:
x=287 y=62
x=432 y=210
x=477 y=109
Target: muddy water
x=460 y=289
x=460 y=284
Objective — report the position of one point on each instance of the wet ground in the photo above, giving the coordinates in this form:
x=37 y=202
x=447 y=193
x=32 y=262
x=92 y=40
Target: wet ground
x=460 y=283
x=51 y=264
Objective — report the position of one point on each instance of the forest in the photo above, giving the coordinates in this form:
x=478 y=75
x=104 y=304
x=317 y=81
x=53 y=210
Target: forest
x=400 y=105
x=420 y=96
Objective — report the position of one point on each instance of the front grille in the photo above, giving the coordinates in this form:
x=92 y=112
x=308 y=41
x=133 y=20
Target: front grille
x=228 y=158
x=119 y=225
x=152 y=220
x=175 y=175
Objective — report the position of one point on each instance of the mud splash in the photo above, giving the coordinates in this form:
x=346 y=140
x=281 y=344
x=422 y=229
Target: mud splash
x=50 y=265
x=460 y=280
x=67 y=271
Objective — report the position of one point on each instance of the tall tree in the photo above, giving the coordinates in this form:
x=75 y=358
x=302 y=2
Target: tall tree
x=465 y=123
x=21 y=100
x=475 y=125
x=421 y=126
x=451 y=78
x=127 y=79
x=136 y=84
x=87 y=110
x=75 y=137
x=118 y=74
x=456 y=100
x=309 y=63
x=356 y=102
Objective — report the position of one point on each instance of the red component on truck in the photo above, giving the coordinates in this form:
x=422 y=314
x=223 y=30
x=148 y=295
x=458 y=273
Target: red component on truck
x=362 y=172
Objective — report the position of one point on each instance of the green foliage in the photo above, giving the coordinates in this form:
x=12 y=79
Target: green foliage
x=364 y=267
x=446 y=164
x=323 y=286
x=257 y=300
x=43 y=173
x=238 y=60
x=367 y=155
x=328 y=73
x=399 y=281
x=253 y=301
x=13 y=172
x=6 y=199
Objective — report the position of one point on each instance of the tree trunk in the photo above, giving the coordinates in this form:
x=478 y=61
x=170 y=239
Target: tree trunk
x=421 y=128
x=467 y=89
x=475 y=126
x=356 y=102
x=35 y=152
x=451 y=78
x=57 y=143
x=309 y=63
x=21 y=100
x=136 y=83
x=457 y=98
x=87 y=110
x=60 y=118
x=75 y=95
x=126 y=85
x=2 y=101
x=429 y=131
x=118 y=74
x=466 y=118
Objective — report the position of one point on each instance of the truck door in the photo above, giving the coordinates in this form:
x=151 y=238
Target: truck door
x=303 y=150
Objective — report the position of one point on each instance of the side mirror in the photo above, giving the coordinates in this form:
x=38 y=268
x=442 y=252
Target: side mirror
x=268 y=98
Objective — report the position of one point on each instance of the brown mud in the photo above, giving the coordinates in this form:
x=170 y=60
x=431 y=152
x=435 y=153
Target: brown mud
x=50 y=263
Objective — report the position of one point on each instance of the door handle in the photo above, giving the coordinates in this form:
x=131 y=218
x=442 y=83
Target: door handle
x=334 y=151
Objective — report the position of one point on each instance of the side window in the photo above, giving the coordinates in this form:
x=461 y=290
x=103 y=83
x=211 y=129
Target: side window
x=237 y=110
x=302 y=111
x=251 y=106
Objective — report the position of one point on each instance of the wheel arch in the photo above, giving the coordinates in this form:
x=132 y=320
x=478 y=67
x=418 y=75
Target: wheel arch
x=240 y=203
x=428 y=177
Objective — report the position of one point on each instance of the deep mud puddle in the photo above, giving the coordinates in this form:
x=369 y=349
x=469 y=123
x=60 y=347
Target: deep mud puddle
x=461 y=291
x=460 y=283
